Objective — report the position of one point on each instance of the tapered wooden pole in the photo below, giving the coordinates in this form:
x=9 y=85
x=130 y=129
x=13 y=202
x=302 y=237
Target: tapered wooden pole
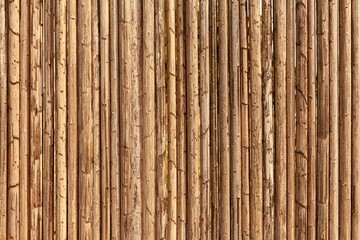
x=280 y=121
x=355 y=124
x=105 y=118
x=149 y=128
x=268 y=91
x=72 y=123
x=234 y=113
x=181 y=120
x=171 y=93
x=13 y=211
x=311 y=170
x=36 y=120
x=345 y=120
x=301 y=153
x=3 y=120
x=48 y=114
x=245 y=138
x=334 y=120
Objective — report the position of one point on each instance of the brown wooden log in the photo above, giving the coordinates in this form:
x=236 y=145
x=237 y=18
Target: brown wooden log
x=345 y=120
x=334 y=121
x=280 y=121
x=268 y=108
x=301 y=152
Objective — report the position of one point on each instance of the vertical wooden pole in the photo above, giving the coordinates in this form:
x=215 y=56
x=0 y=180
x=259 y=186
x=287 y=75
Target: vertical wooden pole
x=72 y=123
x=345 y=119
x=149 y=132
x=48 y=114
x=334 y=120
x=280 y=121
x=181 y=120
x=234 y=112
x=245 y=138
x=268 y=92
x=85 y=119
x=311 y=171
x=171 y=93
x=301 y=119
x=36 y=121
x=355 y=124
x=105 y=118
x=13 y=226
x=3 y=119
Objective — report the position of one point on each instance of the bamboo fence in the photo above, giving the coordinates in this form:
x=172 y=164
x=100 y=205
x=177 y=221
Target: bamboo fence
x=179 y=119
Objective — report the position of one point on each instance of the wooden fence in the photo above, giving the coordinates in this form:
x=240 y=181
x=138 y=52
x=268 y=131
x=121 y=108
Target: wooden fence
x=179 y=119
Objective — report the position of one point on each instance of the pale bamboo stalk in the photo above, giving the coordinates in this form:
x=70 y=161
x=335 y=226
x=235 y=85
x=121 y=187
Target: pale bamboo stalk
x=161 y=123
x=345 y=120
x=149 y=129
x=334 y=120
x=245 y=138
x=105 y=119
x=311 y=171
x=136 y=104
x=3 y=120
x=13 y=226
x=193 y=120
x=85 y=120
x=181 y=121
x=48 y=114
x=301 y=120
x=72 y=124
x=268 y=90
x=126 y=126
x=322 y=167
x=60 y=130
x=114 y=122
x=214 y=137
x=223 y=118
x=280 y=121
x=355 y=124
x=235 y=136
x=24 y=157
x=290 y=120
x=36 y=129
x=171 y=93
x=96 y=201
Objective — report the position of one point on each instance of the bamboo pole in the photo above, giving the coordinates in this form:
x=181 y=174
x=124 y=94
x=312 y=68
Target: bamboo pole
x=355 y=124
x=181 y=120
x=3 y=120
x=334 y=120
x=95 y=217
x=171 y=93
x=234 y=112
x=36 y=122
x=114 y=122
x=290 y=119
x=311 y=171
x=13 y=226
x=268 y=90
x=48 y=113
x=86 y=120
x=345 y=120
x=72 y=123
x=161 y=123
x=60 y=130
x=301 y=119
x=105 y=119
x=149 y=151
x=193 y=120
x=245 y=138
x=280 y=121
